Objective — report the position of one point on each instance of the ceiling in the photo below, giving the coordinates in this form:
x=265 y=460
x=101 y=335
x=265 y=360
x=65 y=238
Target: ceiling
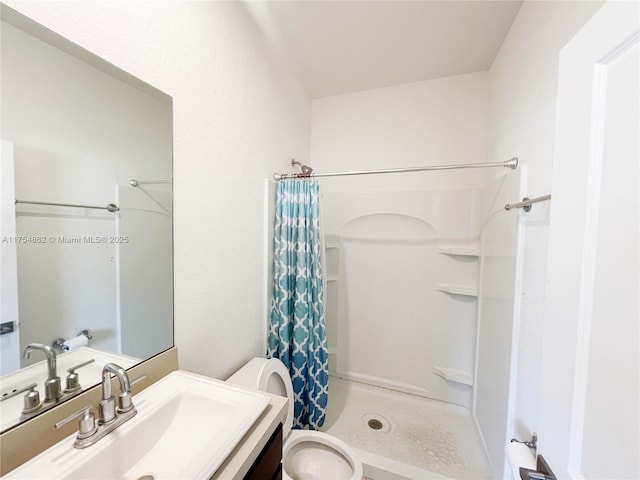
x=336 y=47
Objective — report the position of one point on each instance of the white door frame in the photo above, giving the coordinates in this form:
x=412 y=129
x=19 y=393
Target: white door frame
x=578 y=161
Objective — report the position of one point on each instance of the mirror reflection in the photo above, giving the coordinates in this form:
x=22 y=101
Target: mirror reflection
x=86 y=192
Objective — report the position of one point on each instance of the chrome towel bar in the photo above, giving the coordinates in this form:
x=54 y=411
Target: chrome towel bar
x=526 y=203
x=112 y=207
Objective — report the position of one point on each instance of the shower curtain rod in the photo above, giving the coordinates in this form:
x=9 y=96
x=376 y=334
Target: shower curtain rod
x=512 y=164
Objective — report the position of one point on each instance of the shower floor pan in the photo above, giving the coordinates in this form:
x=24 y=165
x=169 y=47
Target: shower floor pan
x=402 y=436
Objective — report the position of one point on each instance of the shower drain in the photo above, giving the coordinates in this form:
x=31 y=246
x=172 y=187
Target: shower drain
x=374 y=424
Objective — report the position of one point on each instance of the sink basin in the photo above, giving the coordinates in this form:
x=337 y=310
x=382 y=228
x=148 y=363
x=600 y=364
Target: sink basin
x=185 y=427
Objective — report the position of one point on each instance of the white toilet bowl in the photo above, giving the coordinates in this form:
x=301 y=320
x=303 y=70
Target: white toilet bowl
x=306 y=454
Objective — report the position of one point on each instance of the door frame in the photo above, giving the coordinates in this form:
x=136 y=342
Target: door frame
x=578 y=157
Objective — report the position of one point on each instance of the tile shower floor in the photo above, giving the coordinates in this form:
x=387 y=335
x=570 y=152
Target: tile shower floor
x=413 y=430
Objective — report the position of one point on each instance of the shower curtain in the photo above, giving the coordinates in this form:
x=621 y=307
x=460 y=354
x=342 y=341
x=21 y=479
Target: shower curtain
x=296 y=328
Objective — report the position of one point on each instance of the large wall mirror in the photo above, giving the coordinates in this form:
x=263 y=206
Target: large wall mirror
x=86 y=200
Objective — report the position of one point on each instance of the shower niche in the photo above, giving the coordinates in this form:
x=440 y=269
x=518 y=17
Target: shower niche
x=402 y=286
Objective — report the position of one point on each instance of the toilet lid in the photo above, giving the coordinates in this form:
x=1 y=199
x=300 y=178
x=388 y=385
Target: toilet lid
x=275 y=378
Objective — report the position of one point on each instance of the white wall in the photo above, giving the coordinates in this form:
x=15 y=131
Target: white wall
x=433 y=122
x=522 y=101
x=238 y=117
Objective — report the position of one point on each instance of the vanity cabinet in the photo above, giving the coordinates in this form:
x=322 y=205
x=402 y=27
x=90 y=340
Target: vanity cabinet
x=268 y=465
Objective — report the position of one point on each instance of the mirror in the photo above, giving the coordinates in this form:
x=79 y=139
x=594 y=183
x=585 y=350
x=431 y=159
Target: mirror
x=77 y=273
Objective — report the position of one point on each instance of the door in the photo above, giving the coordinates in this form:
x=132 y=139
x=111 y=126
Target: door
x=590 y=393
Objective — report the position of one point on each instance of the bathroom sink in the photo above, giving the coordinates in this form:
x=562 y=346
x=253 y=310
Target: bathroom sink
x=185 y=427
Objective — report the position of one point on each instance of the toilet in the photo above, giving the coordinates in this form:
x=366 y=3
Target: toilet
x=306 y=454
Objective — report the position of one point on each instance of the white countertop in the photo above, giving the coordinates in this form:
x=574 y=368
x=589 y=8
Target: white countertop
x=242 y=457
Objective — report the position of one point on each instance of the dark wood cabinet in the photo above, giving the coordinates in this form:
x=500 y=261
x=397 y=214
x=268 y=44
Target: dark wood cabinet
x=268 y=465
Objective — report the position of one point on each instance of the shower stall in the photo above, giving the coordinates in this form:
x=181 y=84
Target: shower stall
x=414 y=283
x=415 y=280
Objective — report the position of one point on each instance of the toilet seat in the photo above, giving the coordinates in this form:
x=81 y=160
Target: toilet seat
x=313 y=455
x=306 y=454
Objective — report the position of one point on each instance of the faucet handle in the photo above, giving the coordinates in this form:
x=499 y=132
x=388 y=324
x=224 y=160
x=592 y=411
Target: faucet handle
x=31 y=400
x=87 y=425
x=125 y=404
x=71 y=381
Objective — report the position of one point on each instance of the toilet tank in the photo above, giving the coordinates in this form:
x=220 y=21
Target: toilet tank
x=266 y=375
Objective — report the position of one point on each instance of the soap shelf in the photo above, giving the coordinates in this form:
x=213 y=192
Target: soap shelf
x=452 y=375
x=332 y=278
x=458 y=290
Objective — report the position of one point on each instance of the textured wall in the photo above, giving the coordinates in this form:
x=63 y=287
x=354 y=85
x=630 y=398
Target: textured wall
x=238 y=117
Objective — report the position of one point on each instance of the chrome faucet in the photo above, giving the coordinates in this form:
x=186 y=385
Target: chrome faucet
x=109 y=417
x=52 y=389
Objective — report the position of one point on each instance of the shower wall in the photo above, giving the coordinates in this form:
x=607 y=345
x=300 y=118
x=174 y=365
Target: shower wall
x=402 y=270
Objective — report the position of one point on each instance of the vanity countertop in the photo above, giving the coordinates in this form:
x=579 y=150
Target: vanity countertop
x=247 y=451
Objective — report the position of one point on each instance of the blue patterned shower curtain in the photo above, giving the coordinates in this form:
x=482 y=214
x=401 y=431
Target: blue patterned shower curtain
x=296 y=329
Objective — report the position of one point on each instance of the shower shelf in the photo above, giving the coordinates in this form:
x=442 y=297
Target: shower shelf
x=452 y=375
x=458 y=290
x=332 y=278
x=460 y=251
